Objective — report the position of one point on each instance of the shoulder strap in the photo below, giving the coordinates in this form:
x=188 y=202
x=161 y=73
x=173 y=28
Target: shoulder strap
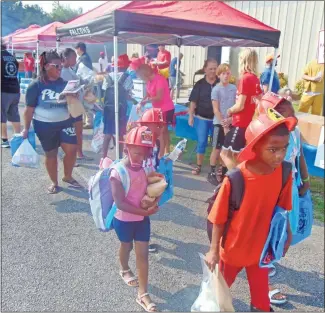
x=124 y=175
x=237 y=190
x=286 y=171
x=123 y=78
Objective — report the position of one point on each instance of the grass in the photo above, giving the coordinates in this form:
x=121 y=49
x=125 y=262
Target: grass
x=316 y=183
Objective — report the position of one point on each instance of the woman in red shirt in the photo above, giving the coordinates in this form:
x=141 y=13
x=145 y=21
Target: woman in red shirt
x=29 y=64
x=242 y=112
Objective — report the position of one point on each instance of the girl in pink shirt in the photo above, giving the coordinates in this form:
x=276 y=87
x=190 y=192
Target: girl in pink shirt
x=131 y=222
x=159 y=95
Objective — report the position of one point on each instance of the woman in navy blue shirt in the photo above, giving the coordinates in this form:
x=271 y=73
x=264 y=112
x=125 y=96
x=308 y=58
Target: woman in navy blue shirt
x=52 y=122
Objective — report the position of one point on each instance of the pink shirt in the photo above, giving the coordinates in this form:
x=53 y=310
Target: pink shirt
x=160 y=82
x=138 y=188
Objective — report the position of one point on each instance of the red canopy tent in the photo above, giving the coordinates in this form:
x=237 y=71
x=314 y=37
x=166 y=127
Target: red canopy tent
x=191 y=23
x=194 y=23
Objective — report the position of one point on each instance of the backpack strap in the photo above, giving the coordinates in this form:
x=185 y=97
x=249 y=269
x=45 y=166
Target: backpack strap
x=286 y=174
x=237 y=190
x=124 y=175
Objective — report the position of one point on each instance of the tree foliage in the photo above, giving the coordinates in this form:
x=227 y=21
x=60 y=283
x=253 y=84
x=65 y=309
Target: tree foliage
x=63 y=13
x=15 y=15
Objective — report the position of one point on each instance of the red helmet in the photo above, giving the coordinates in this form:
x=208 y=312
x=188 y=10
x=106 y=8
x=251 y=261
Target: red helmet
x=259 y=127
x=140 y=136
x=269 y=101
x=152 y=116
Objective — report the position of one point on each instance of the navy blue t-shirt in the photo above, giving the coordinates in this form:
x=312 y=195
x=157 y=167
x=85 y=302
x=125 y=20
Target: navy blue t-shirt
x=266 y=78
x=43 y=96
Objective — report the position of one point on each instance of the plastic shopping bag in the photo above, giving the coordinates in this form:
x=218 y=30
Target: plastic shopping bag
x=166 y=168
x=26 y=156
x=98 y=137
x=214 y=294
x=305 y=219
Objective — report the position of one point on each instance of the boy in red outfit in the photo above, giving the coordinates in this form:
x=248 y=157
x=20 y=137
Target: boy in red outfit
x=267 y=140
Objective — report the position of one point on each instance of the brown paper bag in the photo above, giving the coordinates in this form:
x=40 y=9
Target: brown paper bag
x=75 y=107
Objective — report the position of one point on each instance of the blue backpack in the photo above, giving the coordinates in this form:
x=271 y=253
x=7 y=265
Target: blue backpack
x=101 y=200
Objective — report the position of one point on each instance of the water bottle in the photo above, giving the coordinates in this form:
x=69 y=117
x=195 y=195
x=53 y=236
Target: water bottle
x=180 y=147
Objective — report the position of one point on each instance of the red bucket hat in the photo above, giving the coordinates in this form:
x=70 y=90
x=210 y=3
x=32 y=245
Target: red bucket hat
x=259 y=127
x=269 y=101
x=122 y=61
x=140 y=136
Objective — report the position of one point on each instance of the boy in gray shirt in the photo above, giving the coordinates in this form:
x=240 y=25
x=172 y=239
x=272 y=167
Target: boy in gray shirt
x=223 y=97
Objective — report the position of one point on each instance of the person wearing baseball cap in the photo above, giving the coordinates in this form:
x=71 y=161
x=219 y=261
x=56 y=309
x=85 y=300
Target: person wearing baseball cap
x=300 y=184
x=266 y=75
x=103 y=63
x=261 y=167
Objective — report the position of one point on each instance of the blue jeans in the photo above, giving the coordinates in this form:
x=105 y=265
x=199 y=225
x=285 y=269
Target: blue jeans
x=203 y=128
x=28 y=74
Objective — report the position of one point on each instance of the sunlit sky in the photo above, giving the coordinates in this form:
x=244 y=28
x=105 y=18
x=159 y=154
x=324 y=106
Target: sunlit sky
x=85 y=5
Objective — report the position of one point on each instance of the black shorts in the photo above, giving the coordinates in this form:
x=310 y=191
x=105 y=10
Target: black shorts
x=52 y=134
x=218 y=136
x=77 y=119
x=235 y=139
x=9 y=107
x=169 y=116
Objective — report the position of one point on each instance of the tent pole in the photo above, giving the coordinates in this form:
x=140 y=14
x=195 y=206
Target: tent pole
x=273 y=68
x=37 y=58
x=12 y=47
x=177 y=72
x=57 y=44
x=117 y=148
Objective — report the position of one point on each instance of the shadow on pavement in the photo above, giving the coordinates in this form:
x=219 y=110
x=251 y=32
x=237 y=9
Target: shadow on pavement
x=185 y=252
x=180 y=215
x=191 y=183
x=71 y=206
x=311 y=284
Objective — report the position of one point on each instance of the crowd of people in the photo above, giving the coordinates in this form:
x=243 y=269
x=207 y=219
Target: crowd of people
x=253 y=129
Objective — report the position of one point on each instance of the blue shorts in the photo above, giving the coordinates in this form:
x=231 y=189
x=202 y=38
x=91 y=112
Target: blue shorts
x=109 y=122
x=203 y=128
x=132 y=231
x=52 y=134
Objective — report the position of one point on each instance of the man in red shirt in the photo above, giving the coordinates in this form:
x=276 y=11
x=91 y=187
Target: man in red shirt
x=163 y=58
x=29 y=64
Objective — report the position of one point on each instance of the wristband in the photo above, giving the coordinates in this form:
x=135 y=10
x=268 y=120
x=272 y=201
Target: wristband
x=304 y=180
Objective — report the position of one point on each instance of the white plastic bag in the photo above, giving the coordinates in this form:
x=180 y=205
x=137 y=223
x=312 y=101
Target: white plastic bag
x=98 y=137
x=26 y=156
x=214 y=294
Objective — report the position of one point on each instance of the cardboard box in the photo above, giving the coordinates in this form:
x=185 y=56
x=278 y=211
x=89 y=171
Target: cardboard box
x=310 y=127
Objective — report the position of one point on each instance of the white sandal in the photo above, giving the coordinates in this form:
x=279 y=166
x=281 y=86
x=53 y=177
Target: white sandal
x=276 y=301
x=149 y=307
x=130 y=279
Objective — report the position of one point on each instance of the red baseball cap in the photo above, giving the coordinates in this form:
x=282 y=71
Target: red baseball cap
x=259 y=127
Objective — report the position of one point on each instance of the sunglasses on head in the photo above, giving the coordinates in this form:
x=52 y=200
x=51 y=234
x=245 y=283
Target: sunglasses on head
x=57 y=66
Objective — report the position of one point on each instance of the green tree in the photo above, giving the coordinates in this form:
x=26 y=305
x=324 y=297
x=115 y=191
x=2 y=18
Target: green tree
x=63 y=13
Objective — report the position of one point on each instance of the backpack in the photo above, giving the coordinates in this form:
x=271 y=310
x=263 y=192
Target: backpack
x=109 y=97
x=237 y=191
x=101 y=200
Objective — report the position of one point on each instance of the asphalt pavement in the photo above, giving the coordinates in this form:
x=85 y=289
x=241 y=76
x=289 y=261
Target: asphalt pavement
x=54 y=259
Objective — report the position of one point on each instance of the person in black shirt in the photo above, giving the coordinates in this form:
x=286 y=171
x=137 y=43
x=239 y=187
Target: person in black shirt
x=10 y=95
x=84 y=57
x=201 y=110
